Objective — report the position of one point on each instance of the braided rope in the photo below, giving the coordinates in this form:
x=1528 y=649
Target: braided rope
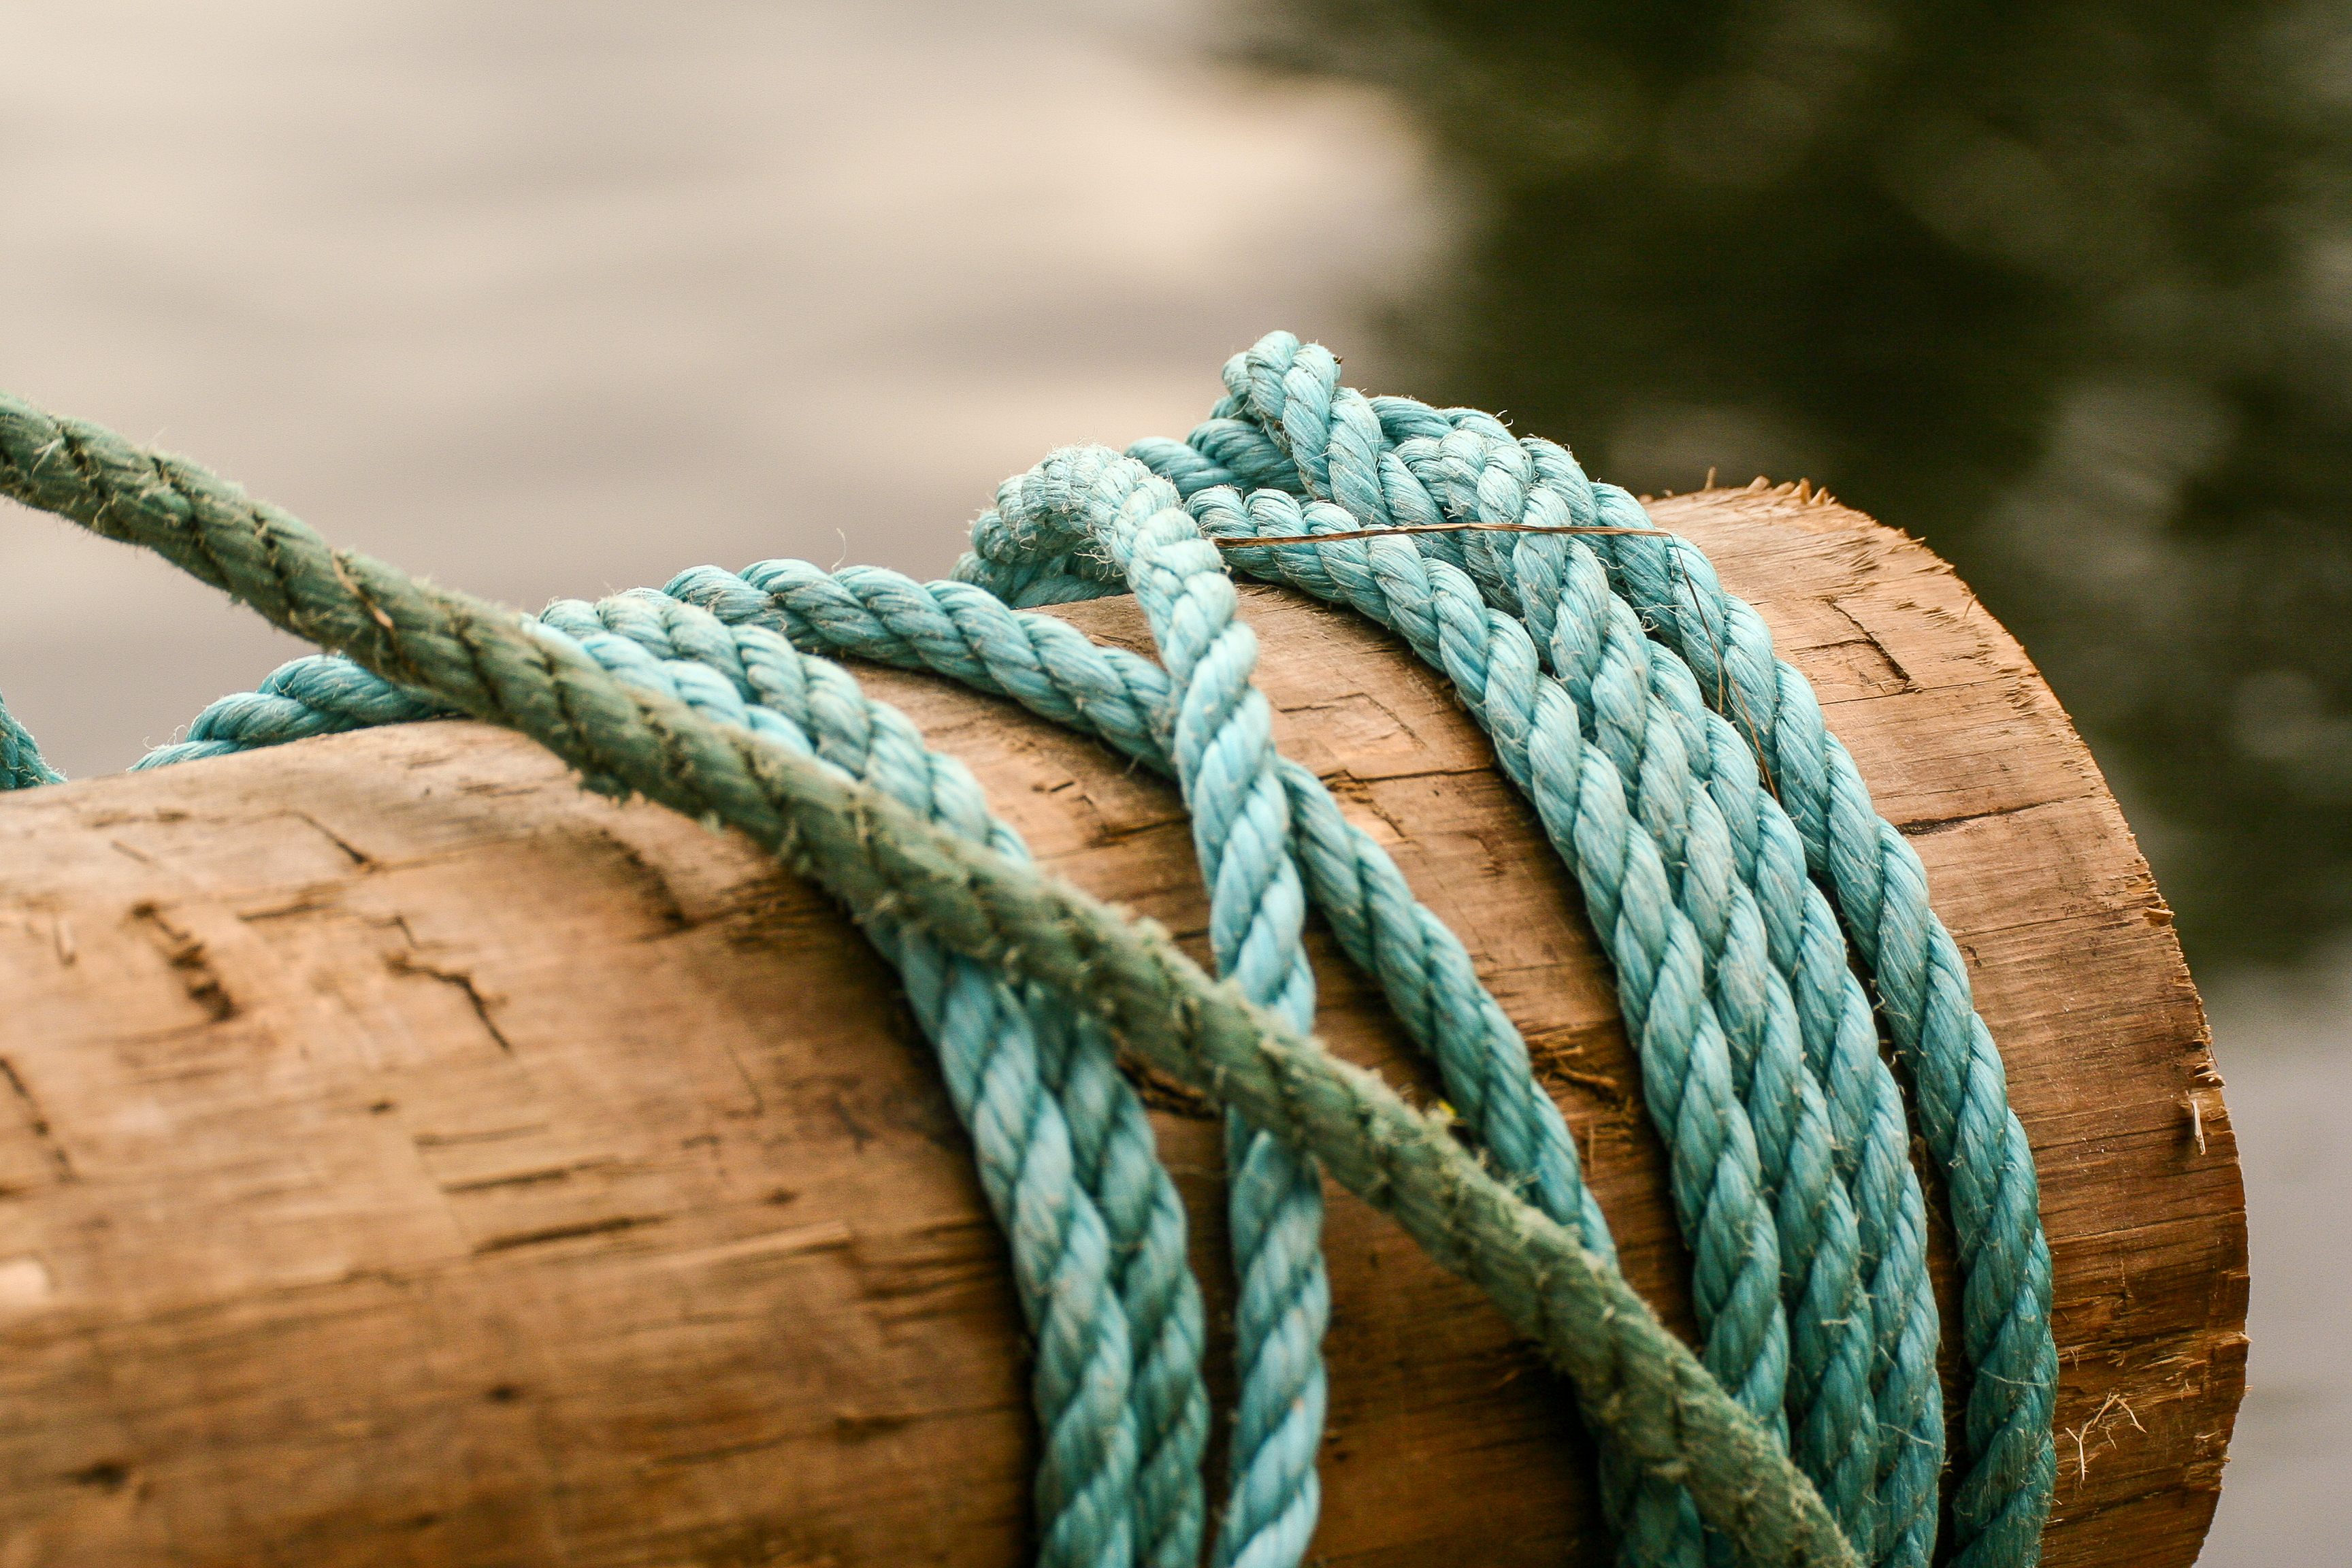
x=21 y=767
x=1672 y=751
x=1290 y=393
x=1422 y=967
x=1111 y=1134
x=1537 y=575
x=1526 y=1127
x=955 y=630
x=301 y=698
x=951 y=629
x=1220 y=731
x=1064 y=1145
x=1663 y=756
x=1868 y=1121
x=1832 y=1396
x=1096 y=1502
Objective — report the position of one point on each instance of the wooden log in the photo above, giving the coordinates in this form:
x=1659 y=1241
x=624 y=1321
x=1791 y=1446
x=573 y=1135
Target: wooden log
x=406 y=1158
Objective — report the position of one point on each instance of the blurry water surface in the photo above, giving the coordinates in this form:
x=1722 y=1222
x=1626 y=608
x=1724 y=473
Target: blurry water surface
x=2063 y=289
x=558 y=298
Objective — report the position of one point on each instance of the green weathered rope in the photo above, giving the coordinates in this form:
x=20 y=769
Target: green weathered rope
x=888 y=864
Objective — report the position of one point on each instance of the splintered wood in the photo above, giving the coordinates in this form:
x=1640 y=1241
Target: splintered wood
x=406 y=1157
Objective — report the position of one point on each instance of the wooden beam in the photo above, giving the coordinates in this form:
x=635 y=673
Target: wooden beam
x=406 y=1157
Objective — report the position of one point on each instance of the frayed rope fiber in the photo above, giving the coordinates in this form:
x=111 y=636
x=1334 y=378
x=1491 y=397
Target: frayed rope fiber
x=1727 y=847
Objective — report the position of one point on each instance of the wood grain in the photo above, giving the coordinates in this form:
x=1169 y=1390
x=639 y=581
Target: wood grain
x=406 y=1158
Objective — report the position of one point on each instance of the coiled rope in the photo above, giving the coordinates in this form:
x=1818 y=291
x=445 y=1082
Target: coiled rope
x=1683 y=771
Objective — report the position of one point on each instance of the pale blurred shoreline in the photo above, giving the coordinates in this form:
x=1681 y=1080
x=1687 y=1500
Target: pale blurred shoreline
x=562 y=301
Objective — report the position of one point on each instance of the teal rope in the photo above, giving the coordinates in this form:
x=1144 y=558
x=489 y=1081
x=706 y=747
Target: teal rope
x=1836 y=1022
x=1423 y=967
x=1291 y=410
x=1112 y=1145
x=953 y=629
x=1221 y=738
x=21 y=767
x=1664 y=766
x=1828 y=1399
x=1839 y=1039
x=1688 y=1076
x=304 y=697
x=1426 y=975
x=993 y=1044
x=1230 y=447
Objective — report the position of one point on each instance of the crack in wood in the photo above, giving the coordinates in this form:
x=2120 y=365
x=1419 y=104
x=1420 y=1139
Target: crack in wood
x=357 y=856
x=463 y=980
x=37 y=1122
x=530 y=1178
x=569 y=1232
x=187 y=955
x=1870 y=638
x=1926 y=827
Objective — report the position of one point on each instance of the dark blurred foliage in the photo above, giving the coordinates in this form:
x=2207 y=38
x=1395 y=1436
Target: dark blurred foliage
x=2064 y=289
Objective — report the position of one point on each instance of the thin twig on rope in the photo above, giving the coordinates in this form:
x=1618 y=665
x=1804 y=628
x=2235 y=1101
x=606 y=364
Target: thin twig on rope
x=1430 y=528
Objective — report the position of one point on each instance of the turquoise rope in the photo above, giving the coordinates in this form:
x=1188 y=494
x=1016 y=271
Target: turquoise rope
x=1286 y=409
x=1870 y=1137
x=1793 y=1090
x=1422 y=968
x=1219 y=731
x=1116 y=1166
x=1483 y=1063
x=1820 y=1276
x=1665 y=767
x=1688 y=1078
x=1828 y=1395
x=1111 y=1352
x=1425 y=973
x=21 y=767
x=1098 y=1336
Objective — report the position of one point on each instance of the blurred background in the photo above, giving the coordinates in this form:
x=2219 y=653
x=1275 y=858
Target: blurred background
x=549 y=299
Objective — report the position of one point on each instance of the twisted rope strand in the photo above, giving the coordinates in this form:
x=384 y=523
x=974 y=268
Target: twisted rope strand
x=1878 y=883
x=1062 y=1250
x=1138 y=1277
x=953 y=629
x=21 y=766
x=1221 y=738
x=1109 y=1133
x=1831 y=1399
x=1484 y=1064
x=959 y=631
x=1640 y=705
